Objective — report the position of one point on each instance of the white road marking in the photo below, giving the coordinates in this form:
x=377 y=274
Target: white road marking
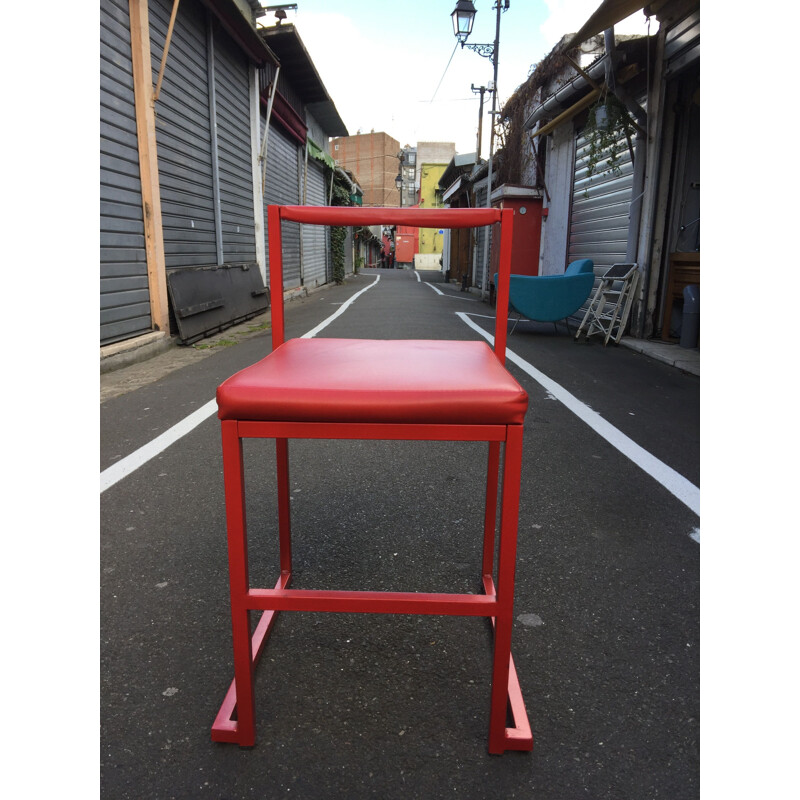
x=324 y=324
x=674 y=482
x=452 y=296
x=434 y=288
x=125 y=466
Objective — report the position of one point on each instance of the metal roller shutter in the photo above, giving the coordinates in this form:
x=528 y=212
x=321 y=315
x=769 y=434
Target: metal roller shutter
x=124 y=289
x=600 y=214
x=315 y=237
x=283 y=188
x=600 y=205
x=479 y=240
x=232 y=85
x=183 y=136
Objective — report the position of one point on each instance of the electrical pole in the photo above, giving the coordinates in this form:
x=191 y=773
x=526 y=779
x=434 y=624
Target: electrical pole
x=482 y=90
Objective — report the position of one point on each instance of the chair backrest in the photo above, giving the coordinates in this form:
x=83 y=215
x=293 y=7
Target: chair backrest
x=580 y=266
x=414 y=217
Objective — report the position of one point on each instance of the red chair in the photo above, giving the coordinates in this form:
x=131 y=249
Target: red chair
x=413 y=390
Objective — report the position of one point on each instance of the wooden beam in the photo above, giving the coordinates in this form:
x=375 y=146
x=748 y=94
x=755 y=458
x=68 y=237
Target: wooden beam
x=567 y=115
x=148 y=163
x=167 y=43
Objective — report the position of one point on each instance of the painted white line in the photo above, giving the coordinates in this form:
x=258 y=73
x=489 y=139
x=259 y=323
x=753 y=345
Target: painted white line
x=674 y=482
x=418 y=278
x=695 y=534
x=324 y=324
x=125 y=466
x=451 y=296
x=434 y=288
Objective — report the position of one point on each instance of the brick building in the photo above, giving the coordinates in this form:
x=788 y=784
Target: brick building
x=373 y=158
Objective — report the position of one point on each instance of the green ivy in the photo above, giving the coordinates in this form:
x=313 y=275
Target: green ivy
x=605 y=136
x=338 y=236
x=340 y=197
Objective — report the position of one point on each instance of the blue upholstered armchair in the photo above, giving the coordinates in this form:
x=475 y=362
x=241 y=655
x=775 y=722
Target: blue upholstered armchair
x=550 y=298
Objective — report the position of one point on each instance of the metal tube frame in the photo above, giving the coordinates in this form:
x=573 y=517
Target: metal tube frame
x=235 y=721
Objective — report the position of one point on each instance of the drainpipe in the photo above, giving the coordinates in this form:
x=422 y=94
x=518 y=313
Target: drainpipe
x=212 y=113
x=255 y=168
x=263 y=156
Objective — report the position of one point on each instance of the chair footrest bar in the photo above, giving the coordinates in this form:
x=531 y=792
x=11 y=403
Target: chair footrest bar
x=520 y=737
x=224 y=728
x=467 y=605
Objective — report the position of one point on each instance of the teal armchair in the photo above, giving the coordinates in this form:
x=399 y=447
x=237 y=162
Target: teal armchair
x=550 y=298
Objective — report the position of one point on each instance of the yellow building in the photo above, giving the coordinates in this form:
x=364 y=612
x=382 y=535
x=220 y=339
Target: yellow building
x=431 y=241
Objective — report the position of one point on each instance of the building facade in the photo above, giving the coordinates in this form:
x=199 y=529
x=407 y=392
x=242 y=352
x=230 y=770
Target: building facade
x=374 y=159
x=201 y=126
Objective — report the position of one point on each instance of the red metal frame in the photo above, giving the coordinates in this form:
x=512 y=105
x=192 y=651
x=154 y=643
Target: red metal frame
x=496 y=602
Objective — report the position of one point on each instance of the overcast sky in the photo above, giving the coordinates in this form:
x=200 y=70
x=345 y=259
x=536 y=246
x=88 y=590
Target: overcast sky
x=382 y=60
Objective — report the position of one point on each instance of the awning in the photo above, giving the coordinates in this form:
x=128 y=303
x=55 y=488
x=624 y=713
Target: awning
x=609 y=13
x=452 y=189
x=241 y=30
x=315 y=151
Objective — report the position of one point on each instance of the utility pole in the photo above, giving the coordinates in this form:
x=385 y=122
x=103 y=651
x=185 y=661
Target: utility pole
x=495 y=57
x=482 y=90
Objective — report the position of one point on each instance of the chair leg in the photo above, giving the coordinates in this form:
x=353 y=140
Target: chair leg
x=499 y=738
x=233 y=468
x=490 y=513
x=284 y=512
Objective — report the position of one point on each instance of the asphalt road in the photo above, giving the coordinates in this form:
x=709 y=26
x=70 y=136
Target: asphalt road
x=606 y=640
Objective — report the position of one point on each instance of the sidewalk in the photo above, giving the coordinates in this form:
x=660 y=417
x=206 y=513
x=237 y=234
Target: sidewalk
x=683 y=358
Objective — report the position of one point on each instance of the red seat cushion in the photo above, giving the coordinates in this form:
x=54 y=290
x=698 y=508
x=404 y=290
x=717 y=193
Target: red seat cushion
x=367 y=380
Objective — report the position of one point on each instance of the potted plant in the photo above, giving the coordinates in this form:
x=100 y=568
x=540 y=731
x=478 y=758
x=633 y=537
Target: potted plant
x=608 y=125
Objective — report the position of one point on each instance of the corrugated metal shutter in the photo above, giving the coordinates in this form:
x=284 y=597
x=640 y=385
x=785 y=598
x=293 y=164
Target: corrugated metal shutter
x=600 y=214
x=682 y=44
x=480 y=239
x=315 y=237
x=124 y=290
x=600 y=205
x=183 y=136
x=283 y=188
x=233 y=141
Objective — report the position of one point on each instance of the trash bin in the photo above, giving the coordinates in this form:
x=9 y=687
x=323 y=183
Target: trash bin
x=690 y=325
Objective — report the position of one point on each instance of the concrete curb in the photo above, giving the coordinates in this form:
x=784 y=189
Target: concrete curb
x=134 y=351
x=682 y=358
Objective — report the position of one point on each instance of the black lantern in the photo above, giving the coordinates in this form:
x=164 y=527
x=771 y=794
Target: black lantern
x=463 y=17
x=398 y=181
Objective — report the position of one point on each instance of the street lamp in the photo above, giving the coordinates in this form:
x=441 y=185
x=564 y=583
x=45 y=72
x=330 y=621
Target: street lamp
x=463 y=17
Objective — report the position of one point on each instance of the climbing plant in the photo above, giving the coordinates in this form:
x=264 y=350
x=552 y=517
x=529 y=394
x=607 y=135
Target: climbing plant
x=339 y=197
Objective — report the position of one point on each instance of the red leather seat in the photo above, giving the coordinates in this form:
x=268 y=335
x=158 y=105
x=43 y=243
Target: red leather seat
x=367 y=380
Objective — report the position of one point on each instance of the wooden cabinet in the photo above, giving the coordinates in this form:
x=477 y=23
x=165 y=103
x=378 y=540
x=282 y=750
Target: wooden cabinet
x=684 y=270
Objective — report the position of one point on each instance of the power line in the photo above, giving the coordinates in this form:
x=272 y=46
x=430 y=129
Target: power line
x=445 y=70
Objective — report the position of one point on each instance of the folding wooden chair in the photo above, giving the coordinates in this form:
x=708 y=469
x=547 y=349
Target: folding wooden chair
x=411 y=390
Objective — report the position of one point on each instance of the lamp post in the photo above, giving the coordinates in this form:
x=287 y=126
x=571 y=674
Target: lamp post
x=463 y=17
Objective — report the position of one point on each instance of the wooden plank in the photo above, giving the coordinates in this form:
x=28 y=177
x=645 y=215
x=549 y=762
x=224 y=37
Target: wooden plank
x=148 y=163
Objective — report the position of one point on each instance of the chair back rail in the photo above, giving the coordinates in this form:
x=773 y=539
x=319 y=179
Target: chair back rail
x=349 y=216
